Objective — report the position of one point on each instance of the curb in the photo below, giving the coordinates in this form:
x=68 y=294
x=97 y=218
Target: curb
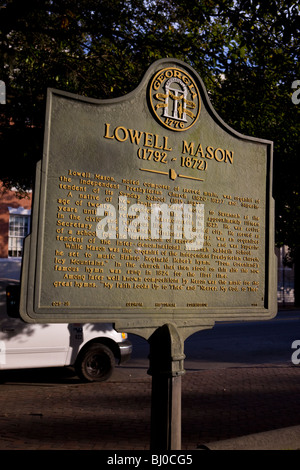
x=278 y=439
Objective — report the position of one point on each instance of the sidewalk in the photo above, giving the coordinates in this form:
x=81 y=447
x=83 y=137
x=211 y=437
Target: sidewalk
x=240 y=403
x=278 y=439
x=217 y=405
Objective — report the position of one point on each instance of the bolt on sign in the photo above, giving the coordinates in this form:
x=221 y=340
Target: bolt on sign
x=149 y=209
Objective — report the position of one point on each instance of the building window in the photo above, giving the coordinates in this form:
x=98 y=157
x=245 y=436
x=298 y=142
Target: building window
x=19 y=225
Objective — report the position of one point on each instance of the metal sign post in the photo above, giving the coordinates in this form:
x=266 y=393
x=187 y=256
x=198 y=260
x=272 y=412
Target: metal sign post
x=166 y=368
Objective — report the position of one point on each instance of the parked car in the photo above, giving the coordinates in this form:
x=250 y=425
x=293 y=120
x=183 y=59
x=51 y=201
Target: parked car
x=92 y=348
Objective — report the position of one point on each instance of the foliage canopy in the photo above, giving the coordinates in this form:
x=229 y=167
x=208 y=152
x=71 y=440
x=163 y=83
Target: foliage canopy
x=246 y=52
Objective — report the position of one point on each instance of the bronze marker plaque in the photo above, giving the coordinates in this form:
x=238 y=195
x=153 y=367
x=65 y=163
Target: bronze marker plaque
x=149 y=208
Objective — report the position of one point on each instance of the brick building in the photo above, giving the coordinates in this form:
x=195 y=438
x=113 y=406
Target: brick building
x=14 y=226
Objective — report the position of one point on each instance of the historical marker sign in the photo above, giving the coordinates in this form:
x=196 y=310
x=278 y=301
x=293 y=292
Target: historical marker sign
x=148 y=209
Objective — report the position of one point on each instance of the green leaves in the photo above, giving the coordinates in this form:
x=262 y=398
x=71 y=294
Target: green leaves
x=246 y=52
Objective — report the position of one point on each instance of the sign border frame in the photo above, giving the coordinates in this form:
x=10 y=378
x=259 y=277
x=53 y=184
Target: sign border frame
x=150 y=318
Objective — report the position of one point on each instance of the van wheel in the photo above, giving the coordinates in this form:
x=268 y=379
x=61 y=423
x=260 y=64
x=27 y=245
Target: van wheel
x=96 y=364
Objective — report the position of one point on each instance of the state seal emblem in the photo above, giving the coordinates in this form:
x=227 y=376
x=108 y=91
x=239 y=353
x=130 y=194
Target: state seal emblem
x=175 y=99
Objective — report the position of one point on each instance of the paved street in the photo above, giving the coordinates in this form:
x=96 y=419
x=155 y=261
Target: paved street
x=51 y=409
x=231 y=344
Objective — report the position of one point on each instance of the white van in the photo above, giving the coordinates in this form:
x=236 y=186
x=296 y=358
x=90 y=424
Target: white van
x=92 y=348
